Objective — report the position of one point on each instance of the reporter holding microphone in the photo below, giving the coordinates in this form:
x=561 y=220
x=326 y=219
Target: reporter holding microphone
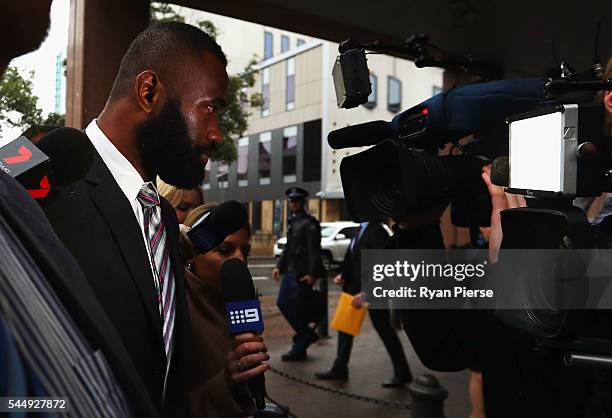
x=223 y=363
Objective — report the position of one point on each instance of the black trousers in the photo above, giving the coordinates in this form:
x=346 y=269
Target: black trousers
x=293 y=298
x=381 y=319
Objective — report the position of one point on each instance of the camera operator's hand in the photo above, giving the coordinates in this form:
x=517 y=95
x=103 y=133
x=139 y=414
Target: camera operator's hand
x=308 y=279
x=339 y=280
x=359 y=300
x=500 y=200
x=248 y=358
x=276 y=274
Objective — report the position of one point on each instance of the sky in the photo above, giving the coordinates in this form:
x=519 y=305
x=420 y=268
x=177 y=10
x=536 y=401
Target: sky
x=42 y=62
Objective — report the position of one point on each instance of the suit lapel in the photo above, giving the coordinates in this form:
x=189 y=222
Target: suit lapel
x=118 y=214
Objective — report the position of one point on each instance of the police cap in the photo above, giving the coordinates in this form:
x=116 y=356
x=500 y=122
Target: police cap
x=296 y=193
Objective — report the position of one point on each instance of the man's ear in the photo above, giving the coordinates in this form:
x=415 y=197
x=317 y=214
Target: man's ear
x=148 y=90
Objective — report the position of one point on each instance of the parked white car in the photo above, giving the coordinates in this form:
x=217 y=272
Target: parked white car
x=335 y=239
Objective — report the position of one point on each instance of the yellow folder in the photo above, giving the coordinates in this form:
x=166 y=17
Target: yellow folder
x=348 y=319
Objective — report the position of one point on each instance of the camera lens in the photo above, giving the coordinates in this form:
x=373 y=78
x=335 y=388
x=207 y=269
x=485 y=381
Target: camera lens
x=388 y=197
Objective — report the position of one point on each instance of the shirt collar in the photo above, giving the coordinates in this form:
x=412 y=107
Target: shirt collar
x=129 y=180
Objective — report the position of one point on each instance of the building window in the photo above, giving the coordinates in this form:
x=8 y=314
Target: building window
x=222 y=175
x=277 y=220
x=242 y=165
x=394 y=94
x=371 y=103
x=265 y=157
x=290 y=88
x=268 y=51
x=284 y=43
x=290 y=154
x=300 y=42
x=256 y=217
x=265 y=92
x=311 y=151
x=436 y=90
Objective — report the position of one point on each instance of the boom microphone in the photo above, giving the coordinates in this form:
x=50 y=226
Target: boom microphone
x=243 y=313
x=212 y=228
x=369 y=133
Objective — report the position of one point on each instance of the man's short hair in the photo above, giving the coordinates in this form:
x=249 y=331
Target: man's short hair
x=168 y=49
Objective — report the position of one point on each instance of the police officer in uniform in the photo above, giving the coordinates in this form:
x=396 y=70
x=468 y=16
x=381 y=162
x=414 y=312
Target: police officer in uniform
x=300 y=266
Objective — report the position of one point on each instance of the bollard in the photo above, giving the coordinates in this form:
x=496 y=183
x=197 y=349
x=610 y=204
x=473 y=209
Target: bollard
x=323 y=326
x=427 y=397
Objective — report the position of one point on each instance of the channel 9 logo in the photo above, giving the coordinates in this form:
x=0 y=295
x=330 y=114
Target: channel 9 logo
x=244 y=315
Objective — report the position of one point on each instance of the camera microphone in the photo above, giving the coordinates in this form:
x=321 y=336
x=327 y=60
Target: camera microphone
x=212 y=228
x=500 y=171
x=369 y=133
x=243 y=313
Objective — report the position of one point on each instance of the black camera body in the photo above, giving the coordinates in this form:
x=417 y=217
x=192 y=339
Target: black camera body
x=404 y=174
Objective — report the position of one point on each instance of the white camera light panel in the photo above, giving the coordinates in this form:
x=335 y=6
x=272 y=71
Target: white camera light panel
x=537 y=153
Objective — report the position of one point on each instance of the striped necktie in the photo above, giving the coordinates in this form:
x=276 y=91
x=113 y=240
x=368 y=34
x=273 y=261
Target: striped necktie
x=362 y=228
x=162 y=267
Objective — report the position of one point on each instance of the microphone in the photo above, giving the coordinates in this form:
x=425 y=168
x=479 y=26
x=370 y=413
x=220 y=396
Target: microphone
x=27 y=164
x=212 y=228
x=243 y=313
x=58 y=159
x=71 y=154
x=369 y=133
x=500 y=171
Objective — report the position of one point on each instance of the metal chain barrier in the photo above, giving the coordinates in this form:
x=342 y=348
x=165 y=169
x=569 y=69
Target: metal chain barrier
x=354 y=396
x=283 y=407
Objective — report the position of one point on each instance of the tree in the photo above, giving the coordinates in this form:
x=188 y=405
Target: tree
x=233 y=120
x=18 y=105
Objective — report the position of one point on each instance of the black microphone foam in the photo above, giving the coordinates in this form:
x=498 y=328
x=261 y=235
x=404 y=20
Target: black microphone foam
x=369 y=133
x=214 y=227
x=500 y=171
x=238 y=293
x=236 y=282
x=71 y=154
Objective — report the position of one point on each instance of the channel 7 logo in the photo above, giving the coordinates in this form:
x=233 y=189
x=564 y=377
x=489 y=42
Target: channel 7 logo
x=244 y=316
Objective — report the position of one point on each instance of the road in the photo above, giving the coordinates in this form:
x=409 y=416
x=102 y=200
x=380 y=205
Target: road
x=261 y=270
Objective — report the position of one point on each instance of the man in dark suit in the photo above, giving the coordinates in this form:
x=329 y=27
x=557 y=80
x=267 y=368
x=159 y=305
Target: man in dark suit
x=55 y=339
x=371 y=235
x=160 y=120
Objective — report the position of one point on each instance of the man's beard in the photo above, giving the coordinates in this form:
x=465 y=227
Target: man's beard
x=168 y=151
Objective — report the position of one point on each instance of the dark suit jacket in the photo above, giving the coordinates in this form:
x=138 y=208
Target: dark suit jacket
x=68 y=282
x=97 y=224
x=374 y=236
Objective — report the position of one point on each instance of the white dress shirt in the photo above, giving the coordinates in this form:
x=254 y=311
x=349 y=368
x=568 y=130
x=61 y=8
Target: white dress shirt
x=129 y=180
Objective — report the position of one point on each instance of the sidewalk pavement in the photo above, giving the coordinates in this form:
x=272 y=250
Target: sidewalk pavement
x=369 y=367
